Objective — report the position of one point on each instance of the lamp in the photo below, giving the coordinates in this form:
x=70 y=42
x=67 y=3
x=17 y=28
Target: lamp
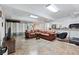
x=52 y=8
x=33 y=16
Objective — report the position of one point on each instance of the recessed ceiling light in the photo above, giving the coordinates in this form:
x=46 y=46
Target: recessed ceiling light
x=52 y=8
x=33 y=16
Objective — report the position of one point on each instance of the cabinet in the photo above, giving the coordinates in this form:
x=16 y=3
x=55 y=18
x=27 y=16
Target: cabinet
x=10 y=44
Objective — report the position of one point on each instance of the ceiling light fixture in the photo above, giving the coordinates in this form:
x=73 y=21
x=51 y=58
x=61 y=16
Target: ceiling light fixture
x=52 y=8
x=33 y=16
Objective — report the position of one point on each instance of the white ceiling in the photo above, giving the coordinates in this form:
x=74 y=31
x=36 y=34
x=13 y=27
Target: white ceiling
x=22 y=11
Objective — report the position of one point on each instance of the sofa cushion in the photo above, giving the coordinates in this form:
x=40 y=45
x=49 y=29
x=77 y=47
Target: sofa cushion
x=32 y=33
x=45 y=34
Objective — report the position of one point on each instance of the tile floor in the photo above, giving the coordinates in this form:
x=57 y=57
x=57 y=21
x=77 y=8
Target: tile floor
x=44 y=47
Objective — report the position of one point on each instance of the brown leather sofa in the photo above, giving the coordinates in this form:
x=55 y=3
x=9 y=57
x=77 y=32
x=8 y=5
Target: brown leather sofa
x=48 y=36
x=41 y=34
x=29 y=34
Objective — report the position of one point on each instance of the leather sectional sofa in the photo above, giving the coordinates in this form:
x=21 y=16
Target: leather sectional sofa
x=40 y=34
x=29 y=34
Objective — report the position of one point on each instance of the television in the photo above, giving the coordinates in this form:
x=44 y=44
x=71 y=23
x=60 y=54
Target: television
x=76 y=26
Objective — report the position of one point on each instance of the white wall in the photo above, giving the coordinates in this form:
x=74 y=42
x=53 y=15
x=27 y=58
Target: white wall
x=66 y=21
x=2 y=28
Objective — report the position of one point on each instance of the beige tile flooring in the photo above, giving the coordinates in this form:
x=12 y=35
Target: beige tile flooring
x=44 y=47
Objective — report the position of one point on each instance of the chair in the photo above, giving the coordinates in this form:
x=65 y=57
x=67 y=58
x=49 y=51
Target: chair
x=74 y=40
x=62 y=35
x=3 y=50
